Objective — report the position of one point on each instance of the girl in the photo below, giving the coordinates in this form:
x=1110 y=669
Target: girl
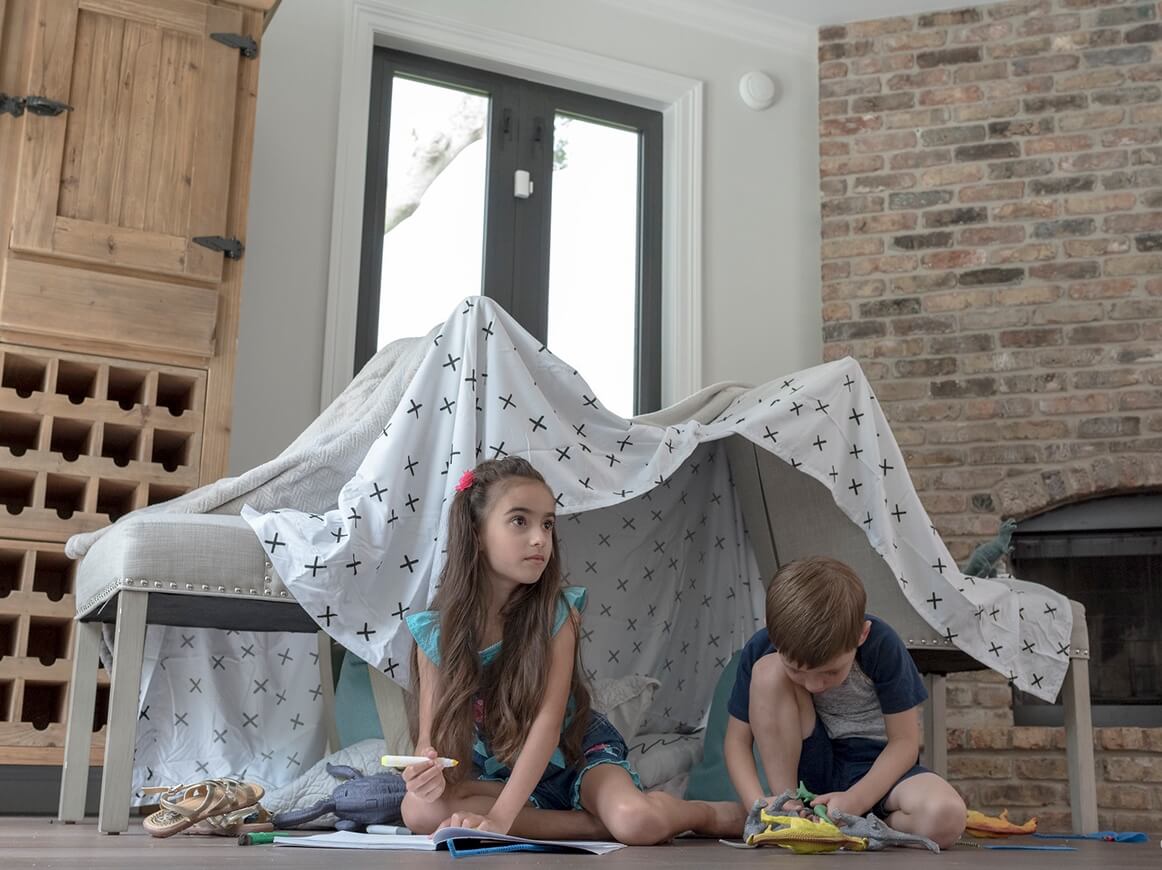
x=501 y=689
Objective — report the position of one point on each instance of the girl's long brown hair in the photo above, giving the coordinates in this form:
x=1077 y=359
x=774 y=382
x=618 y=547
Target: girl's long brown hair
x=513 y=685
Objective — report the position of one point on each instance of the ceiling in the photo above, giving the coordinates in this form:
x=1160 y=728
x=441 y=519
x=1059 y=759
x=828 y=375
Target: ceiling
x=818 y=12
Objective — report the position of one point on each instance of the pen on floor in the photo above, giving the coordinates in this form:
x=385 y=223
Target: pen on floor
x=402 y=761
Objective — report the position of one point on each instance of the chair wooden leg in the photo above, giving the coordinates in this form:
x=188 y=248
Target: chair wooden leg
x=327 y=684
x=1079 y=747
x=936 y=724
x=124 y=702
x=79 y=728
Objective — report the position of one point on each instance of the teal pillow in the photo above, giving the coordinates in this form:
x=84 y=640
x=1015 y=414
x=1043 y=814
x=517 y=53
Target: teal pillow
x=709 y=780
x=355 y=715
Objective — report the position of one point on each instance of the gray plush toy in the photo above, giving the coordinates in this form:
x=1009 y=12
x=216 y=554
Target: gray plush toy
x=358 y=801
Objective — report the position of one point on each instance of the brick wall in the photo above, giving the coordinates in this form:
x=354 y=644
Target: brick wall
x=991 y=194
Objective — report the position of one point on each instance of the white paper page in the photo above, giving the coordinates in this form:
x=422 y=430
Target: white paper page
x=352 y=840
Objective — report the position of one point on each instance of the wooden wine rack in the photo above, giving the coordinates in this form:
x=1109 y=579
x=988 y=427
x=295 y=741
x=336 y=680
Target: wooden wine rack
x=83 y=441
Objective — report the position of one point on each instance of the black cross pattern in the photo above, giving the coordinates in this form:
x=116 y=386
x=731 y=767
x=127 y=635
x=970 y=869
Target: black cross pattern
x=354 y=566
x=181 y=719
x=451 y=363
x=563 y=453
x=220 y=736
x=819 y=442
x=249 y=721
x=217 y=663
x=195 y=686
x=280 y=698
x=328 y=615
x=415 y=409
x=187 y=641
x=144 y=714
x=392 y=664
x=286 y=656
x=411 y=501
x=315 y=568
x=366 y=633
x=622 y=584
x=538 y=423
x=275 y=543
x=260 y=686
x=855 y=487
x=409 y=563
x=507 y=402
x=447 y=405
x=856 y=416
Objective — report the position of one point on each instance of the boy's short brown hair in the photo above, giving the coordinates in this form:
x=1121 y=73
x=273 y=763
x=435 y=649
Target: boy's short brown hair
x=815 y=610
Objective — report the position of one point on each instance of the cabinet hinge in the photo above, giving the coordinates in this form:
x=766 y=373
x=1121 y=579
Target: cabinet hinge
x=244 y=44
x=16 y=106
x=231 y=248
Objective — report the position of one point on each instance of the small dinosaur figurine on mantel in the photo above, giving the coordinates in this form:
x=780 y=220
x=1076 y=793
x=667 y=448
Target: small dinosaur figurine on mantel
x=985 y=558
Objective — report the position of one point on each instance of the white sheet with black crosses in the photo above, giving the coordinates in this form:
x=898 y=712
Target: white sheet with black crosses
x=217 y=703
x=649 y=519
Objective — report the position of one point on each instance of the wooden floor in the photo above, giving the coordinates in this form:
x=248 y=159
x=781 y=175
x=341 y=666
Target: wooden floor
x=44 y=844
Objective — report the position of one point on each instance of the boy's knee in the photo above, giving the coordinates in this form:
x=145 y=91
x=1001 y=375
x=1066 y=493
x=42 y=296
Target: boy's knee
x=942 y=818
x=947 y=816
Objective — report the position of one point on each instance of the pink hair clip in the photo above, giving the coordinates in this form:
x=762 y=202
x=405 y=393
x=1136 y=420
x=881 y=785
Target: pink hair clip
x=466 y=480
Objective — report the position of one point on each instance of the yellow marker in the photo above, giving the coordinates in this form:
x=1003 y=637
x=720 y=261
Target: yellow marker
x=402 y=761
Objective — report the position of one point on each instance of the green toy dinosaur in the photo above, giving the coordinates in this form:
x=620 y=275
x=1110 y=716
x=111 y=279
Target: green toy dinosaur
x=984 y=559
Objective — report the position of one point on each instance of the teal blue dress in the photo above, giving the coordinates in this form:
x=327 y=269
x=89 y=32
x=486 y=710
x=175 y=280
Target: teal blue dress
x=560 y=785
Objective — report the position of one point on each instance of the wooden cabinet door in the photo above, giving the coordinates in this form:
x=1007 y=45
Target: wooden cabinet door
x=141 y=165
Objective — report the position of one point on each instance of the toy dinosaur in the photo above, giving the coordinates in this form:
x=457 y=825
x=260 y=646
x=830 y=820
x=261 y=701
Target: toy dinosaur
x=980 y=825
x=358 y=801
x=984 y=559
x=767 y=822
x=877 y=832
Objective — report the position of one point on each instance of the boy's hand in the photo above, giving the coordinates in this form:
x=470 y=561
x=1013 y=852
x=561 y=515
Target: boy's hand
x=844 y=801
x=426 y=781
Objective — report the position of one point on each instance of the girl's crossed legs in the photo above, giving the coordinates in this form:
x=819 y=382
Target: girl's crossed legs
x=614 y=808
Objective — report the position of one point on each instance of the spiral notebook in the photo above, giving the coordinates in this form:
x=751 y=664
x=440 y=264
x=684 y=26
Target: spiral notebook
x=459 y=841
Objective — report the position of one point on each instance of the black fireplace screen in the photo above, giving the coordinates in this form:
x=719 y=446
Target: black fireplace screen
x=1107 y=554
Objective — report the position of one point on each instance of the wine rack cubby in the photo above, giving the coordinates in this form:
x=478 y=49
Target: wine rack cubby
x=85 y=440
x=37 y=606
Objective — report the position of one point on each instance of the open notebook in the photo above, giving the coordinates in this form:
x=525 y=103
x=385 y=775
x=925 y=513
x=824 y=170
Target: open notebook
x=460 y=841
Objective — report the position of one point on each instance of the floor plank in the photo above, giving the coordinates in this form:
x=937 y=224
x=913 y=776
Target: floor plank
x=44 y=844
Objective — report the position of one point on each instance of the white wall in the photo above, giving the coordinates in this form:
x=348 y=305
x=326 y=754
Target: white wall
x=761 y=303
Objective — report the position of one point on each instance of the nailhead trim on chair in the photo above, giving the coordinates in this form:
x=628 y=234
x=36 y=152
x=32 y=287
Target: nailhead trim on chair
x=108 y=590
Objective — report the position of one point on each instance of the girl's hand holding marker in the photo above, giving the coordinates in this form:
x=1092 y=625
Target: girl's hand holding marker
x=423 y=774
x=401 y=761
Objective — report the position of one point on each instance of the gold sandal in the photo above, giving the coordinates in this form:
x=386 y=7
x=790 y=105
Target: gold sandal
x=185 y=805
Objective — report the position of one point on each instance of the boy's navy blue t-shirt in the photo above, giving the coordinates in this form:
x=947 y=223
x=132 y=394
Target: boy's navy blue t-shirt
x=883 y=675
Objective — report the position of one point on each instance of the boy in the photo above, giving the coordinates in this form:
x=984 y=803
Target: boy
x=831 y=696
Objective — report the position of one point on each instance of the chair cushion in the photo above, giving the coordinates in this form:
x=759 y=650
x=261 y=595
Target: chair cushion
x=184 y=554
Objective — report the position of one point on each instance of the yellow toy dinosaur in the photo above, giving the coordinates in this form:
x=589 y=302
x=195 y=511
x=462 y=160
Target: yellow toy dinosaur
x=980 y=825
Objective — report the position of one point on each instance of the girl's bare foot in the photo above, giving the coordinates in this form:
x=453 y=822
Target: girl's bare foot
x=727 y=819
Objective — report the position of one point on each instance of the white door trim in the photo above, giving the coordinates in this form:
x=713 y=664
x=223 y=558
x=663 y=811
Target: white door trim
x=379 y=22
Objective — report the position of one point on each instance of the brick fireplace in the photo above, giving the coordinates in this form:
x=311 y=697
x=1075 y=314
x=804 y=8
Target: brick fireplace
x=991 y=195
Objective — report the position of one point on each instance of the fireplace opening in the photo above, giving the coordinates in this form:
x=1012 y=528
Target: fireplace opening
x=1107 y=554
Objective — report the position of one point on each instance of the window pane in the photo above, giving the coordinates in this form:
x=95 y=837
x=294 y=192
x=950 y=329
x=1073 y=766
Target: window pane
x=593 y=256
x=434 y=227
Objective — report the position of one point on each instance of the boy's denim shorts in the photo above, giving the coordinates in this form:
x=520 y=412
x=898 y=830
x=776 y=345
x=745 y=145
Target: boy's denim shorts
x=827 y=765
x=560 y=788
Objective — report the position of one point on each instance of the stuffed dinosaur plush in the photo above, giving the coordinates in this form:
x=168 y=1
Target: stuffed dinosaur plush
x=984 y=559
x=358 y=801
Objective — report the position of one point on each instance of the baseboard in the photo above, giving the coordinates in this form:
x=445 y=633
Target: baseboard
x=34 y=790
